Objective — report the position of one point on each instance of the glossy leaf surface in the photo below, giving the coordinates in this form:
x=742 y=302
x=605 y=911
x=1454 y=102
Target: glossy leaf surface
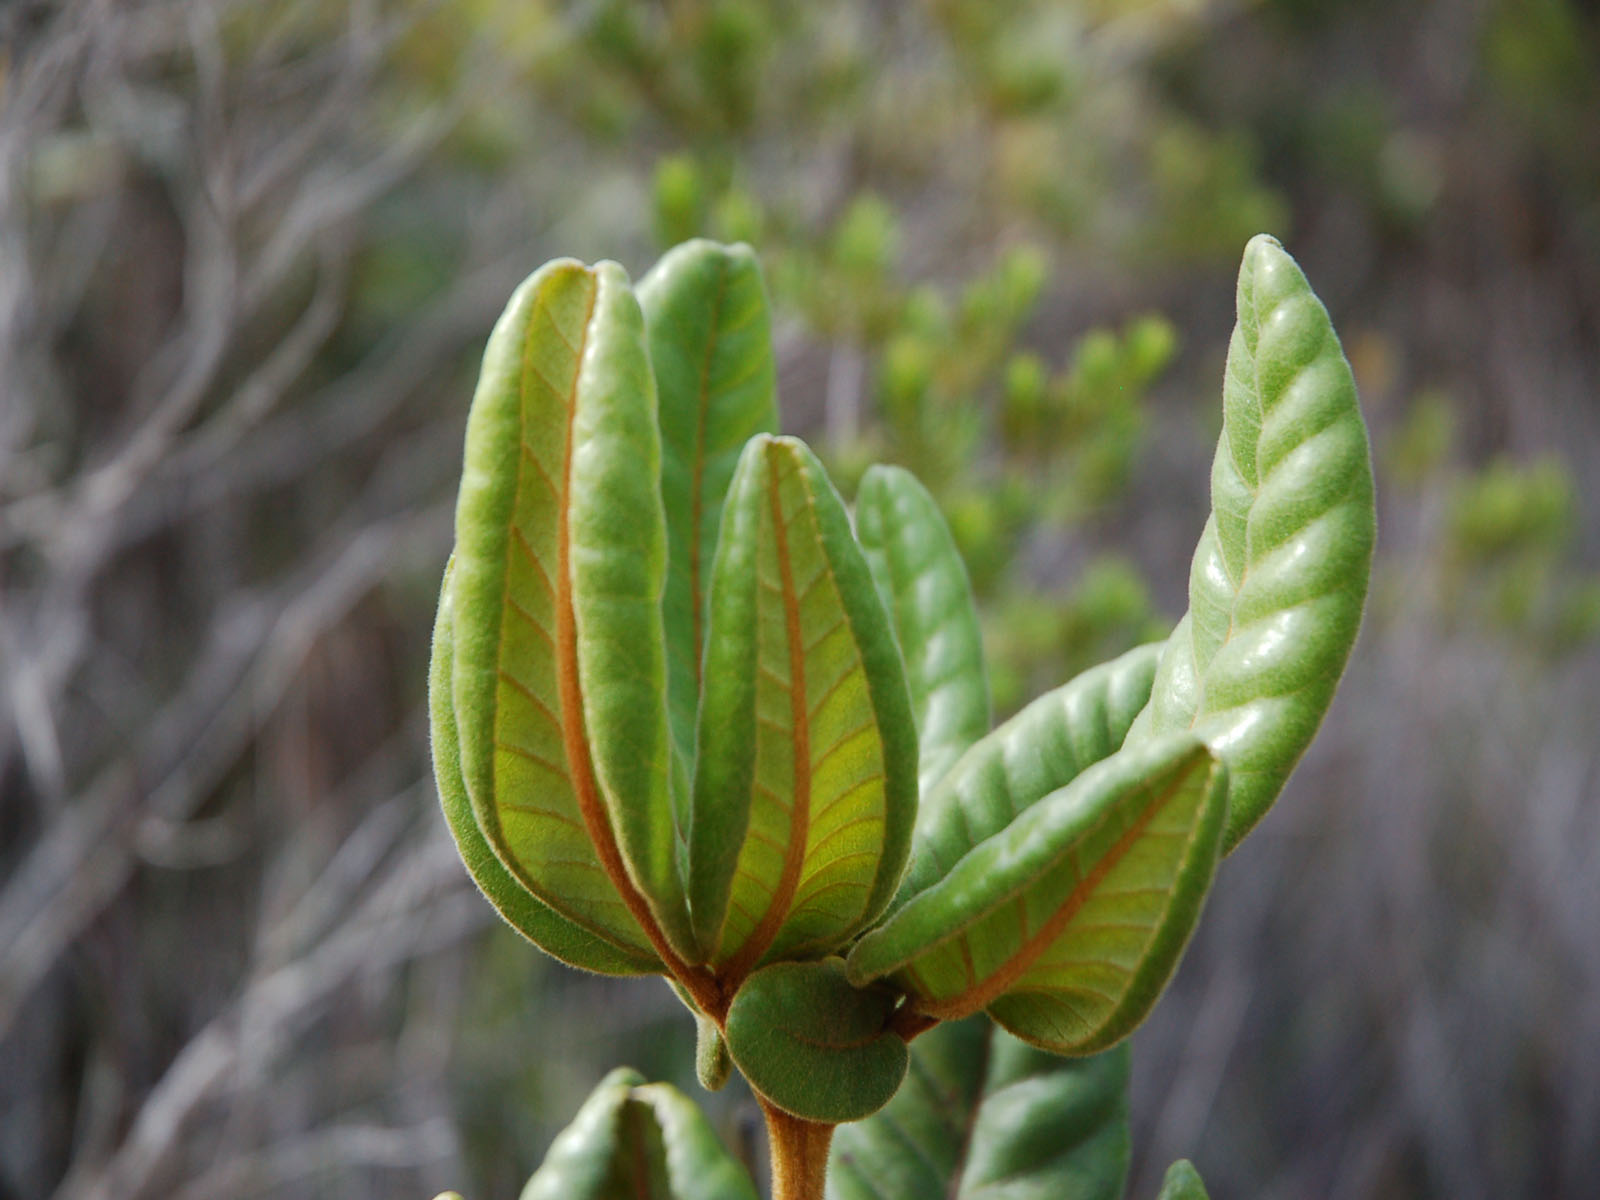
x=983 y=1116
x=637 y=1141
x=805 y=780
x=537 y=922
x=705 y=308
x=924 y=585
x=1040 y=750
x=559 y=654
x=813 y=1045
x=1066 y=924
x=1280 y=574
x=1182 y=1182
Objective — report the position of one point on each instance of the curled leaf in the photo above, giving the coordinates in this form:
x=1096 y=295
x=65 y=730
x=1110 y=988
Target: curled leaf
x=1280 y=574
x=559 y=662
x=1065 y=925
x=705 y=307
x=805 y=779
x=1040 y=750
x=924 y=585
x=633 y=1139
x=537 y=922
x=813 y=1045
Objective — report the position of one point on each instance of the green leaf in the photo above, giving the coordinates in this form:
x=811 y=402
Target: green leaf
x=1182 y=1183
x=805 y=781
x=1066 y=925
x=924 y=585
x=711 y=346
x=983 y=1116
x=559 y=660
x=1280 y=575
x=541 y=925
x=813 y=1045
x=711 y=1062
x=1040 y=750
x=637 y=1141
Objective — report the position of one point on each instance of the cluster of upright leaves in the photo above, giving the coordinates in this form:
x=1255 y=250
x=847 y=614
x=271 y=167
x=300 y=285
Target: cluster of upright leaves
x=684 y=712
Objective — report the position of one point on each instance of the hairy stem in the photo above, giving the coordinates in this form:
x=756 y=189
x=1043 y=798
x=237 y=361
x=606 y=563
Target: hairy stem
x=799 y=1154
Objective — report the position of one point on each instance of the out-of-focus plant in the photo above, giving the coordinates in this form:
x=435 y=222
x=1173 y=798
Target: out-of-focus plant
x=690 y=720
x=1504 y=557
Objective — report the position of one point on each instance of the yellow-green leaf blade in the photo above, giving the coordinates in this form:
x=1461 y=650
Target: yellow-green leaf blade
x=924 y=585
x=1280 y=574
x=1066 y=924
x=705 y=307
x=560 y=552
x=805 y=783
x=618 y=558
x=537 y=922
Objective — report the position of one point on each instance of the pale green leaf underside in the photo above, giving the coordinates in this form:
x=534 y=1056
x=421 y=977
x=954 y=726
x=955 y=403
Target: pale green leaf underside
x=813 y=1045
x=1280 y=574
x=705 y=308
x=924 y=585
x=805 y=778
x=637 y=1141
x=1065 y=925
x=537 y=922
x=983 y=1116
x=1038 y=751
x=560 y=557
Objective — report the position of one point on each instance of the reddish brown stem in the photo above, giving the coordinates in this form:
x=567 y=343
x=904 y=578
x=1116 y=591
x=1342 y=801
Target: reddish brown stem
x=909 y=1023
x=799 y=1154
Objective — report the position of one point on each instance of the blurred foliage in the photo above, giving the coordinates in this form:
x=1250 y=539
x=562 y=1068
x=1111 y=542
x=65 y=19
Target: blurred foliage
x=1507 y=558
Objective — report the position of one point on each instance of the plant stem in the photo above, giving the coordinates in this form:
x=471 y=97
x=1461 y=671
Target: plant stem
x=799 y=1154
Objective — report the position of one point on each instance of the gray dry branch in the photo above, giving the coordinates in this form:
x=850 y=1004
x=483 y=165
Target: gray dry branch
x=214 y=553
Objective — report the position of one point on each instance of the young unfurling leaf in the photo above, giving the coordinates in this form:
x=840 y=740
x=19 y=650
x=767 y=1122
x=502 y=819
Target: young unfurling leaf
x=535 y=920
x=925 y=590
x=705 y=308
x=805 y=778
x=559 y=663
x=1066 y=924
x=1280 y=575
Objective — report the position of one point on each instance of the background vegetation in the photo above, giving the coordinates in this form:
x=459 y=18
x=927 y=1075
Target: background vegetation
x=249 y=253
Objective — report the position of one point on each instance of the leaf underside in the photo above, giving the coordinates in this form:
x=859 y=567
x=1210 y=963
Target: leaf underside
x=983 y=1116
x=1066 y=924
x=804 y=790
x=637 y=1141
x=539 y=923
x=559 y=659
x=924 y=585
x=1280 y=574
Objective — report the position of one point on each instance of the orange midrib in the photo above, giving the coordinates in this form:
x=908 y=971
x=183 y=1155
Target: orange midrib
x=574 y=734
x=974 y=999
x=800 y=805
